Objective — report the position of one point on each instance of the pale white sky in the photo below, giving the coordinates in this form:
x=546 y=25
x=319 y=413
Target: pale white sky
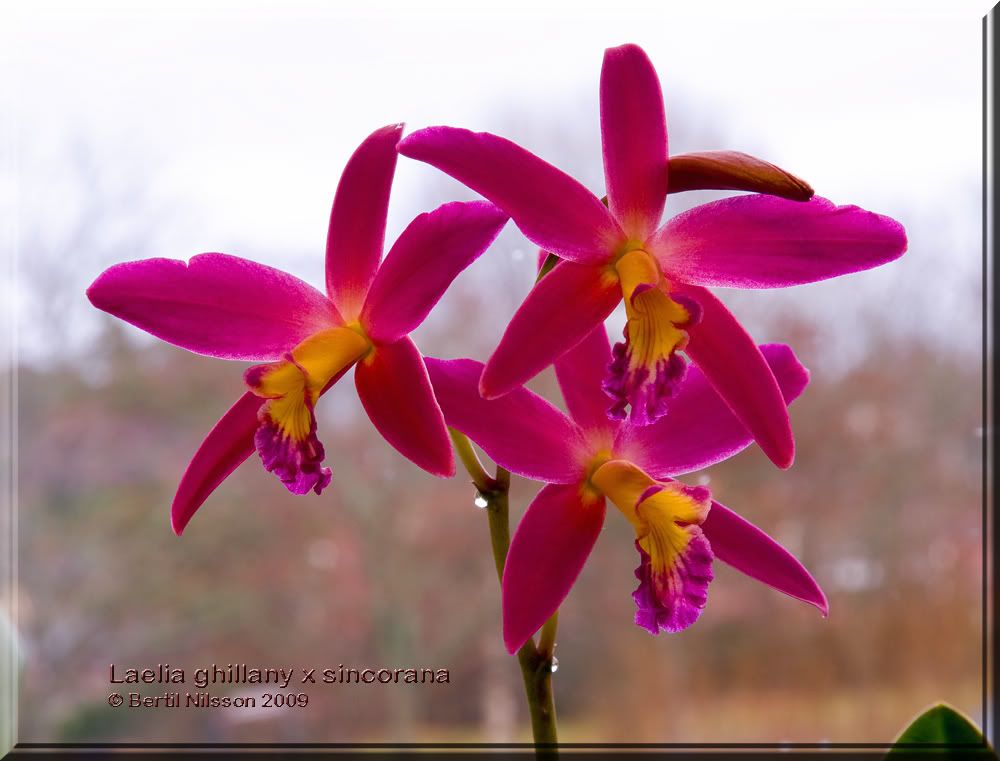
x=243 y=115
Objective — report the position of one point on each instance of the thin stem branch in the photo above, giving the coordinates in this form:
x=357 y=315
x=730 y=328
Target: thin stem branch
x=535 y=663
x=547 y=639
x=536 y=673
x=470 y=460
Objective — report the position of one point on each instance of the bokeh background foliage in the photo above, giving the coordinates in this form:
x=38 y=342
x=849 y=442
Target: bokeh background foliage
x=236 y=146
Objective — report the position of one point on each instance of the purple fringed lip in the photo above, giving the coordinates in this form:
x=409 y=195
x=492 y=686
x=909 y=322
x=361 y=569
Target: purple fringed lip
x=297 y=463
x=646 y=369
x=647 y=394
x=673 y=600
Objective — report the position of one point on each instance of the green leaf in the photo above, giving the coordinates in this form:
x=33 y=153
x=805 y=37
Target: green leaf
x=941 y=725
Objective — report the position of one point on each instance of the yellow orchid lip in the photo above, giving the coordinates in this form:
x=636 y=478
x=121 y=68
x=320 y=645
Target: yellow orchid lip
x=675 y=557
x=649 y=505
x=636 y=268
x=358 y=328
x=286 y=438
x=588 y=489
x=646 y=368
x=310 y=365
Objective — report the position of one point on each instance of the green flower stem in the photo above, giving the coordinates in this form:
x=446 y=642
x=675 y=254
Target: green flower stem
x=547 y=639
x=535 y=662
x=470 y=460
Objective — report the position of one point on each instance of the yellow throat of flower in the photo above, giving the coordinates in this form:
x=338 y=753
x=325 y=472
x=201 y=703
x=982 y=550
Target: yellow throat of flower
x=660 y=513
x=653 y=316
x=646 y=368
x=293 y=385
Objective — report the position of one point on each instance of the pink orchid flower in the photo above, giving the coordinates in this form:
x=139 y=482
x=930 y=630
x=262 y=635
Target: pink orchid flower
x=620 y=251
x=585 y=458
x=224 y=306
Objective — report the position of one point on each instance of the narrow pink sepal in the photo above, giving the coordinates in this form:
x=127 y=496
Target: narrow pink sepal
x=356 y=234
x=218 y=305
x=551 y=544
x=762 y=241
x=521 y=431
x=558 y=313
x=431 y=252
x=580 y=372
x=749 y=550
x=225 y=448
x=735 y=367
x=396 y=393
x=552 y=209
x=700 y=429
x=634 y=137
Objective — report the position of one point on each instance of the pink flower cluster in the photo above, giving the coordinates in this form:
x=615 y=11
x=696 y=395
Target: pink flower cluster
x=686 y=386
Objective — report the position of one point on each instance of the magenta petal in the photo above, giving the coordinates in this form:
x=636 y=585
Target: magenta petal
x=216 y=304
x=761 y=241
x=396 y=393
x=357 y=220
x=552 y=209
x=521 y=431
x=421 y=264
x=547 y=553
x=748 y=549
x=634 y=135
x=227 y=446
x=735 y=367
x=700 y=429
x=580 y=372
x=560 y=311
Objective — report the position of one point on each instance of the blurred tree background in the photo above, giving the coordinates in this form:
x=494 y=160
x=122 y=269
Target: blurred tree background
x=391 y=567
